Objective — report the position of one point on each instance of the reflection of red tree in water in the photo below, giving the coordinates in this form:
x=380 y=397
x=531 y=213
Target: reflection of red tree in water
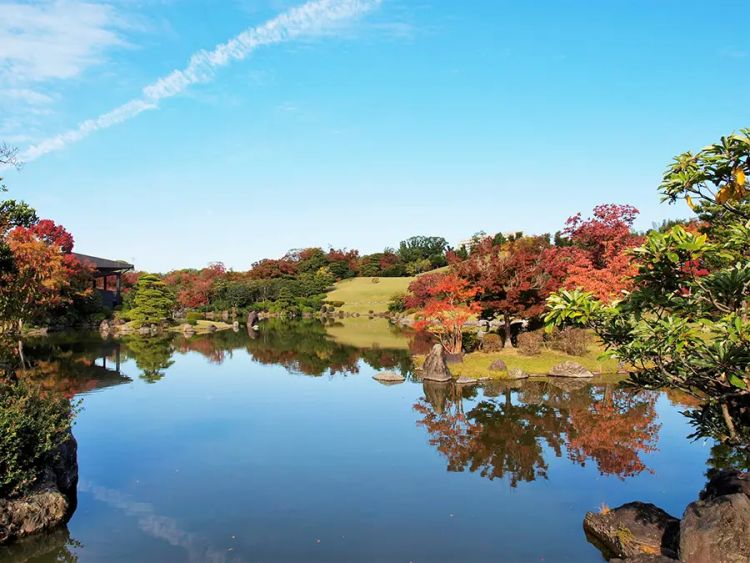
x=614 y=430
x=506 y=438
x=496 y=438
x=206 y=347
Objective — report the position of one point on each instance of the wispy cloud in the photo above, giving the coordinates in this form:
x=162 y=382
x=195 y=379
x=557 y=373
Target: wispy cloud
x=315 y=17
x=54 y=40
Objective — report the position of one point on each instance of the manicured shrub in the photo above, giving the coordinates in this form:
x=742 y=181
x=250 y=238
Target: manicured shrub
x=470 y=342
x=570 y=340
x=375 y=280
x=32 y=426
x=397 y=305
x=492 y=343
x=530 y=343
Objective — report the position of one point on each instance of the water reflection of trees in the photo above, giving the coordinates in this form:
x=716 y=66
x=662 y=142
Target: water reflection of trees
x=509 y=436
x=73 y=363
x=152 y=355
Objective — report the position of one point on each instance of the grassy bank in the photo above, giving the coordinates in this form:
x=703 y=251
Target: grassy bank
x=361 y=295
x=477 y=364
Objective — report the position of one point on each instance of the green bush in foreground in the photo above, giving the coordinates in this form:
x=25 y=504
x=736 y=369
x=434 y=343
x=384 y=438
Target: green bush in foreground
x=32 y=426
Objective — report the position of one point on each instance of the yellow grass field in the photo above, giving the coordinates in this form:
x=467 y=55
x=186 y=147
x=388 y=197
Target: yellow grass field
x=361 y=295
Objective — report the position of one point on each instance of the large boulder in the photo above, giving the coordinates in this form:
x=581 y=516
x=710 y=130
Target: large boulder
x=49 y=503
x=434 y=367
x=252 y=319
x=498 y=365
x=716 y=530
x=632 y=530
x=570 y=369
x=517 y=373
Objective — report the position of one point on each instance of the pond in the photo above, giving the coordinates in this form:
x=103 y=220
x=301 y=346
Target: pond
x=279 y=446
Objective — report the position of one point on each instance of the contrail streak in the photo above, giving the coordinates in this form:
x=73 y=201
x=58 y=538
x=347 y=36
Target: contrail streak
x=312 y=17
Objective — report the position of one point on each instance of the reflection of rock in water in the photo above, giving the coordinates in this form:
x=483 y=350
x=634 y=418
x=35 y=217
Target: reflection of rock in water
x=437 y=394
x=56 y=545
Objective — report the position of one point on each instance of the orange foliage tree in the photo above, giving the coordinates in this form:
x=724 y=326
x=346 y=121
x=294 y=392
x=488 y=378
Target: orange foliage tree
x=44 y=275
x=446 y=311
x=598 y=258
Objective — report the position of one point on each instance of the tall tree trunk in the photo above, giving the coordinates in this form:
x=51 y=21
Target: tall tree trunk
x=20 y=345
x=508 y=333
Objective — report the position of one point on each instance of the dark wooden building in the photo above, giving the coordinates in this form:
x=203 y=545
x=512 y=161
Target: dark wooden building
x=107 y=277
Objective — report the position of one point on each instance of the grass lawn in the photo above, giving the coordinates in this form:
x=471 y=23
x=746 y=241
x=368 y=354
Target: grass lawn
x=202 y=326
x=361 y=295
x=362 y=332
x=477 y=364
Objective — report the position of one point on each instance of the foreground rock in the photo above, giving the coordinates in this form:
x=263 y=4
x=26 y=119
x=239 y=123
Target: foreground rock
x=570 y=369
x=388 y=377
x=632 y=530
x=435 y=368
x=50 y=502
x=716 y=530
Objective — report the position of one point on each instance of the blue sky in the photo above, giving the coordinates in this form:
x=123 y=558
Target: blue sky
x=402 y=118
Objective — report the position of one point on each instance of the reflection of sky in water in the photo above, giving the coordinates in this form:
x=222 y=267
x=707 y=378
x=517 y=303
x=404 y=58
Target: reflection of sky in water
x=243 y=460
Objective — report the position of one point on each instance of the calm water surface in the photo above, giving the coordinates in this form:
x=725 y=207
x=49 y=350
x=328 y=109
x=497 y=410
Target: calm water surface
x=282 y=447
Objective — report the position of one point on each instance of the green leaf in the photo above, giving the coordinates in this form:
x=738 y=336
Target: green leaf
x=737 y=382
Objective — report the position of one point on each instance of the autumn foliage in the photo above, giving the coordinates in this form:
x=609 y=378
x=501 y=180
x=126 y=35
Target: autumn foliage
x=599 y=258
x=44 y=275
x=447 y=309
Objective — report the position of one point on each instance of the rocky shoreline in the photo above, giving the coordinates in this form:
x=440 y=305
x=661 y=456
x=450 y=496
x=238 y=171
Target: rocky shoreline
x=50 y=502
x=713 y=529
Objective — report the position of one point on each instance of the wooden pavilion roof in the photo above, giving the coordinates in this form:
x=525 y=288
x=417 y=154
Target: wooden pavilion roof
x=104 y=265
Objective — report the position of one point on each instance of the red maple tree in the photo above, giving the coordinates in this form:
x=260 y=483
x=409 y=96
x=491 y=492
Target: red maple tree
x=449 y=306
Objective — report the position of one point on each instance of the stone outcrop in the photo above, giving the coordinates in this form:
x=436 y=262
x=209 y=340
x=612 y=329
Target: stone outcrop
x=633 y=529
x=49 y=503
x=516 y=373
x=569 y=369
x=498 y=365
x=716 y=530
x=434 y=367
x=252 y=319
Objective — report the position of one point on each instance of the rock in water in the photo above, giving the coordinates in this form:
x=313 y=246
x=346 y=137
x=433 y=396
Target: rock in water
x=716 y=530
x=516 y=373
x=50 y=502
x=632 y=530
x=435 y=368
x=388 y=377
x=252 y=319
x=570 y=369
x=463 y=380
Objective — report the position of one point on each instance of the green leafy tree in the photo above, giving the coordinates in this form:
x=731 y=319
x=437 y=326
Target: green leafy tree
x=686 y=323
x=419 y=248
x=153 y=300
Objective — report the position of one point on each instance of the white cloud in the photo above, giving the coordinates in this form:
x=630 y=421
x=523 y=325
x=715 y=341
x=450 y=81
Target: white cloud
x=27 y=96
x=54 y=39
x=312 y=18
